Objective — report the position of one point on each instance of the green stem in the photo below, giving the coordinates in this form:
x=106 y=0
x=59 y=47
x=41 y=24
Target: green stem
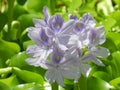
x=55 y=86
x=76 y=86
x=10 y=13
x=52 y=4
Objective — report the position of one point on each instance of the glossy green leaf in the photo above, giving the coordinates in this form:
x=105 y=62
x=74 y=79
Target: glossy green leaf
x=18 y=10
x=4 y=86
x=102 y=75
x=115 y=37
x=74 y=5
x=97 y=84
x=36 y=6
x=27 y=43
x=29 y=86
x=115 y=64
x=115 y=82
x=19 y=61
x=109 y=44
x=7 y=50
x=26 y=20
x=28 y=76
x=116 y=15
x=108 y=24
x=117 y=1
x=10 y=81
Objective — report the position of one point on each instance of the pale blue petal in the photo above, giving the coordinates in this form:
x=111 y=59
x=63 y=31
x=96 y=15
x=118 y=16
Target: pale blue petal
x=101 y=34
x=67 y=28
x=33 y=34
x=100 y=52
x=50 y=75
x=92 y=58
x=39 y=23
x=34 y=61
x=73 y=39
x=88 y=20
x=46 y=14
x=59 y=77
x=63 y=39
x=85 y=69
x=71 y=72
x=34 y=50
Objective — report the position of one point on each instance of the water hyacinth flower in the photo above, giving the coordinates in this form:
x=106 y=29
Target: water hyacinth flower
x=96 y=36
x=64 y=48
x=59 y=67
x=59 y=29
x=43 y=47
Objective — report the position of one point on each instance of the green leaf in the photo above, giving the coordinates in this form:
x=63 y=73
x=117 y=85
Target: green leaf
x=102 y=75
x=14 y=46
x=109 y=44
x=115 y=82
x=27 y=43
x=18 y=10
x=29 y=86
x=116 y=15
x=117 y=1
x=115 y=37
x=4 y=86
x=11 y=81
x=26 y=20
x=97 y=84
x=28 y=76
x=18 y=60
x=74 y=4
x=7 y=50
x=108 y=24
x=115 y=64
x=36 y=6
x=3 y=20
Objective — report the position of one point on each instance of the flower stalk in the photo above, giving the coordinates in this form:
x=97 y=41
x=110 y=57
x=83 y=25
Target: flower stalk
x=55 y=86
x=10 y=13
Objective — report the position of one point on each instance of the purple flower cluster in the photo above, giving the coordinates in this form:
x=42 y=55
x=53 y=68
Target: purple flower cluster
x=63 y=48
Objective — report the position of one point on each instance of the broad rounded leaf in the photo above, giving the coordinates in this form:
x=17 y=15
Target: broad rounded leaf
x=115 y=82
x=29 y=86
x=4 y=86
x=18 y=60
x=7 y=50
x=28 y=76
x=10 y=81
x=97 y=84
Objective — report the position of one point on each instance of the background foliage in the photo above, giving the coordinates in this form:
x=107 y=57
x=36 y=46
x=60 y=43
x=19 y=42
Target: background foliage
x=17 y=15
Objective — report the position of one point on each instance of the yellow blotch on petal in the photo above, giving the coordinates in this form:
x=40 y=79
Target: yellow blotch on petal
x=57 y=57
x=78 y=25
x=58 y=26
x=44 y=38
